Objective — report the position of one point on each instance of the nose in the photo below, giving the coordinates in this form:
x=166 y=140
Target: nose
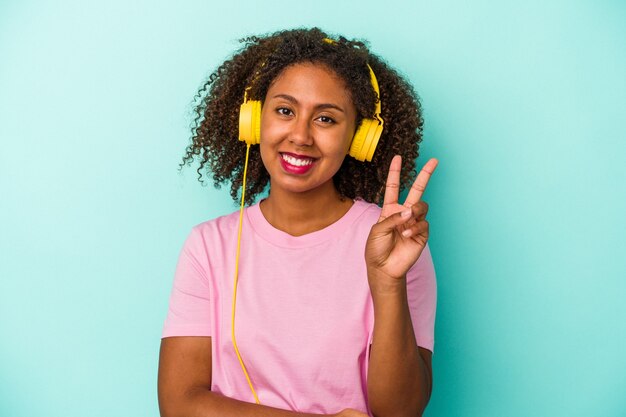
x=301 y=134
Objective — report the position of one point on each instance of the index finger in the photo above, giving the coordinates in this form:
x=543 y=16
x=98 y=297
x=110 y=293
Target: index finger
x=419 y=185
x=393 y=181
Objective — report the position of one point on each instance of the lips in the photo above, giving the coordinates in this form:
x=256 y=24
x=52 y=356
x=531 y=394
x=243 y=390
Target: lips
x=296 y=164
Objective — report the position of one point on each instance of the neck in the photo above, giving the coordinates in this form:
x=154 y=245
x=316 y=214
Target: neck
x=301 y=213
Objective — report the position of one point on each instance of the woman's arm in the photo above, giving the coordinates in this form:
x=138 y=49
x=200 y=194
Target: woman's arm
x=184 y=385
x=399 y=374
x=399 y=377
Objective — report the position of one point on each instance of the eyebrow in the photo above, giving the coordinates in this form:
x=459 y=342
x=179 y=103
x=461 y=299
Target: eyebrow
x=319 y=106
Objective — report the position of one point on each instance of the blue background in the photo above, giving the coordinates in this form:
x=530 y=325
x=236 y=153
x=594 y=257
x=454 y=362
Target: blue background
x=525 y=109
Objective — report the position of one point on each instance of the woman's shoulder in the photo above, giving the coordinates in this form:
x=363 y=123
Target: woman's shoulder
x=367 y=212
x=224 y=225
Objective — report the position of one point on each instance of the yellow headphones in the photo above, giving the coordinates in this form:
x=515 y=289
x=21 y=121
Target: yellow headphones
x=363 y=143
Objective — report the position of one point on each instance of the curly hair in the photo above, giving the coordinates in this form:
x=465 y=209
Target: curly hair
x=257 y=64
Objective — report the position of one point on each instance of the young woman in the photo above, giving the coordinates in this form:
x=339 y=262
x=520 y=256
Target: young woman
x=323 y=303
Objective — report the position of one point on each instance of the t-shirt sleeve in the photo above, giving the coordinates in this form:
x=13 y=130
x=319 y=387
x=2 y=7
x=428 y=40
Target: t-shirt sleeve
x=189 y=312
x=422 y=295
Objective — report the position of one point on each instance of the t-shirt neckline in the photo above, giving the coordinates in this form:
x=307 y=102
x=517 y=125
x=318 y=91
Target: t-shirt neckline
x=263 y=228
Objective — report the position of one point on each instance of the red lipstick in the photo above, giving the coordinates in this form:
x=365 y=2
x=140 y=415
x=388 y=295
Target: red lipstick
x=296 y=164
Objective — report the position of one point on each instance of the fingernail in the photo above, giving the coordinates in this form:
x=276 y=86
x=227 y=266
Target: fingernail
x=406 y=214
x=406 y=233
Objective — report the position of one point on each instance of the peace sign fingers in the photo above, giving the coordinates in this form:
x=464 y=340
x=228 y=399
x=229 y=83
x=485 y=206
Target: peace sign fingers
x=398 y=238
x=419 y=185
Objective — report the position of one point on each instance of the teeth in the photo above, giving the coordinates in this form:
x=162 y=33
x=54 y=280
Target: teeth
x=296 y=161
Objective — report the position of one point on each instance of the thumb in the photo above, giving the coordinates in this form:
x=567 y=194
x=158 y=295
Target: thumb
x=396 y=219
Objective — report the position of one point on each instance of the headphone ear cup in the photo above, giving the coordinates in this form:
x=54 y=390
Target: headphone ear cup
x=359 y=138
x=250 y=122
x=365 y=140
x=376 y=130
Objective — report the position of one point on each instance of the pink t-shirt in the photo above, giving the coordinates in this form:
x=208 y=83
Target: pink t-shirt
x=304 y=317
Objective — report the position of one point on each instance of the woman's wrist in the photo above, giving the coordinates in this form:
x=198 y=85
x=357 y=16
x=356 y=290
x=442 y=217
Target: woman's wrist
x=384 y=286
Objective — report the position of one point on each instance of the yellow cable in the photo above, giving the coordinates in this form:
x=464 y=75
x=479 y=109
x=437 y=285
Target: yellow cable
x=243 y=194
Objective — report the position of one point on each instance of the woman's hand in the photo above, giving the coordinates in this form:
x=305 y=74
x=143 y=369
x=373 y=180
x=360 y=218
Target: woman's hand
x=398 y=238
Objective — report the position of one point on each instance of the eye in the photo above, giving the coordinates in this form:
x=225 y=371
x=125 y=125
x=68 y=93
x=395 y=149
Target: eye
x=284 y=111
x=326 y=119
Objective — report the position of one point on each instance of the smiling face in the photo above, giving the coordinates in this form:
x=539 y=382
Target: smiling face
x=307 y=123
